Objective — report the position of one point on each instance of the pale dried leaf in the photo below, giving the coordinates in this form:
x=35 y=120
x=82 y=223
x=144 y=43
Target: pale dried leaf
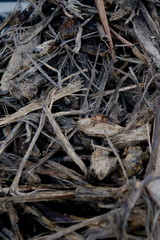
x=18 y=61
x=101 y=163
x=44 y=48
x=134 y=159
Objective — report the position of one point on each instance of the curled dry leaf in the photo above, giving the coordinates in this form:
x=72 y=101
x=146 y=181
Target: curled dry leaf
x=134 y=159
x=27 y=88
x=69 y=28
x=18 y=61
x=102 y=163
x=44 y=48
x=21 y=60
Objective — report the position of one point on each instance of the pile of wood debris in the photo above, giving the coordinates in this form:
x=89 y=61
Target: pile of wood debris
x=80 y=117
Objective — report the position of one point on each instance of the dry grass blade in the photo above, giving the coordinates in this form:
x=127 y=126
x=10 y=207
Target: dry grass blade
x=64 y=141
x=11 y=136
x=15 y=182
x=53 y=96
x=40 y=27
x=38 y=196
x=70 y=173
x=14 y=220
x=117 y=156
x=135 y=50
x=72 y=7
x=33 y=106
x=74 y=228
x=48 y=156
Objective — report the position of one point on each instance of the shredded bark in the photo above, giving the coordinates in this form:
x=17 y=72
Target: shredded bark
x=79 y=121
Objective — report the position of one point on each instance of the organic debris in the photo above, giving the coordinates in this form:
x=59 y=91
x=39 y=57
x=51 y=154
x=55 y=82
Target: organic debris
x=79 y=126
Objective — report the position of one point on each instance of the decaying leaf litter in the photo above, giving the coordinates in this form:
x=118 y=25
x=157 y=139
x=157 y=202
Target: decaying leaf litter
x=80 y=138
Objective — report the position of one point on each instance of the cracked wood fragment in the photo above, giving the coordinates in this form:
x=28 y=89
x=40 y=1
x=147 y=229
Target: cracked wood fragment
x=117 y=134
x=98 y=129
x=146 y=38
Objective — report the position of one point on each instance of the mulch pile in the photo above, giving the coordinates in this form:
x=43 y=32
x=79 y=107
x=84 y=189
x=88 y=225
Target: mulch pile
x=80 y=117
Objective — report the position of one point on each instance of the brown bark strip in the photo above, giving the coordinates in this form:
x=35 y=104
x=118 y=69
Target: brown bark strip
x=103 y=17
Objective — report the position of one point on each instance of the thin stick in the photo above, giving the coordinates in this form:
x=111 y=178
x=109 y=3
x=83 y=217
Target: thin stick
x=49 y=155
x=135 y=50
x=11 y=136
x=117 y=156
x=103 y=17
x=123 y=89
x=75 y=227
x=64 y=141
x=15 y=182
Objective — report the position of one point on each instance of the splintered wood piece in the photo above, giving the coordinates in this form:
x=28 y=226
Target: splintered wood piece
x=92 y=193
x=119 y=137
x=101 y=163
x=147 y=39
x=131 y=137
x=92 y=127
x=33 y=106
